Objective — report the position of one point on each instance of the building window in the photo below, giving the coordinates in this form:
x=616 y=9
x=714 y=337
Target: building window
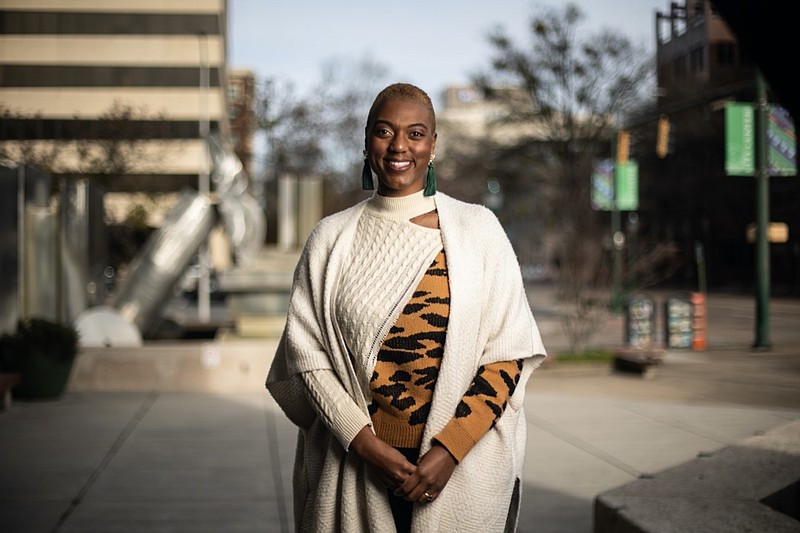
x=22 y=128
x=234 y=91
x=467 y=95
x=102 y=76
x=679 y=67
x=696 y=59
x=35 y=22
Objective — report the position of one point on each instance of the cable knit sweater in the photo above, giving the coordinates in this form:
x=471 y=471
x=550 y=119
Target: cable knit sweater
x=490 y=320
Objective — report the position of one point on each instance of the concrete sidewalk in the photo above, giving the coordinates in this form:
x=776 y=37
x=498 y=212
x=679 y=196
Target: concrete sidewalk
x=198 y=462
x=160 y=460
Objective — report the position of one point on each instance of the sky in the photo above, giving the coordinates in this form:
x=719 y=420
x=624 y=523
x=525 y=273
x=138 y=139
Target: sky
x=432 y=44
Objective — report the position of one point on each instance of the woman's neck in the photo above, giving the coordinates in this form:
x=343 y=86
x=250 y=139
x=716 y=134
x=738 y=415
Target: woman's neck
x=402 y=207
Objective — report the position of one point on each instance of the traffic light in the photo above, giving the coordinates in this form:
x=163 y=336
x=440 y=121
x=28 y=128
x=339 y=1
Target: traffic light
x=623 y=146
x=663 y=137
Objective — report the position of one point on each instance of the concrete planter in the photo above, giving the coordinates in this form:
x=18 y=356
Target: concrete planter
x=42 y=352
x=43 y=376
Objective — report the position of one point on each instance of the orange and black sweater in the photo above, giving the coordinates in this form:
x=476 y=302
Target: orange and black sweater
x=404 y=380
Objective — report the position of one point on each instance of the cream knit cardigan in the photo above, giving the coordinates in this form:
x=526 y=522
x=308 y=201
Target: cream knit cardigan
x=490 y=320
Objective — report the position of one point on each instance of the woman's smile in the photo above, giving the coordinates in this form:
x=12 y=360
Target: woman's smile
x=400 y=166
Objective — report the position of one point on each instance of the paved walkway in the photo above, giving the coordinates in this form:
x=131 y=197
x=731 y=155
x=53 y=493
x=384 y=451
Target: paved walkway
x=166 y=461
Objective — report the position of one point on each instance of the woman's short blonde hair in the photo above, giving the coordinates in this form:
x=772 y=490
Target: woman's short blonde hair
x=402 y=91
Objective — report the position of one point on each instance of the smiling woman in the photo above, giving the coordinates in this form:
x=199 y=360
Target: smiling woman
x=400 y=139
x=407 y=293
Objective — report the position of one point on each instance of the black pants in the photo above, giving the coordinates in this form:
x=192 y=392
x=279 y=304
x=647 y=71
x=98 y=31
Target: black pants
x=402 y=508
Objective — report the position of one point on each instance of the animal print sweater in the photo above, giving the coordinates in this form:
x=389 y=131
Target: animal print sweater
x=405 y=374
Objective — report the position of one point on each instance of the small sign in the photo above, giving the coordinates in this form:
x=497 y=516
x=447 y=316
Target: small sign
x=685 y=321
x=776 y=232
x=678 y=313
x=640 y=322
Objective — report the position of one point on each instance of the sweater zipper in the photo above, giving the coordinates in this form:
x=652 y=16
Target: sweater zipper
x=382 y=331
x=404 y=297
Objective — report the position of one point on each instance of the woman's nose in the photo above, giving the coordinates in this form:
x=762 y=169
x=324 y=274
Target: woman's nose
x=397 y=145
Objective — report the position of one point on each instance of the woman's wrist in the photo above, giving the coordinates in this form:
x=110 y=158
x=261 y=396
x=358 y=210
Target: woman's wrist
x=437 y=444
x=362 y=440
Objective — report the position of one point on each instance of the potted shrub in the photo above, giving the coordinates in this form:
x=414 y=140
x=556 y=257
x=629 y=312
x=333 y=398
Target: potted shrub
x=42 y=352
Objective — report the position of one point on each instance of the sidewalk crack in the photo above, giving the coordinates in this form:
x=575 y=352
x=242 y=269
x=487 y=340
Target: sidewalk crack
x=144 y=407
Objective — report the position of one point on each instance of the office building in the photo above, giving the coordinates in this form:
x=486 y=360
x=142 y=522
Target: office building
x=122 y=90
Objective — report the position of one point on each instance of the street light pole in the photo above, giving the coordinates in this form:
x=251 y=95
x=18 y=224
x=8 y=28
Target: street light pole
x=762 y=214
x=203 y=183
x=617 y=236
x=617 y=243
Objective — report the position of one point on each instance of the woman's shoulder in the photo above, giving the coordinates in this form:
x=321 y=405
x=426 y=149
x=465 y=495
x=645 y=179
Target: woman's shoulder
x=468 y=214
x=474 y=227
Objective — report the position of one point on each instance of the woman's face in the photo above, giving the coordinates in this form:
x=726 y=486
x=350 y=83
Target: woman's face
x=400 y=142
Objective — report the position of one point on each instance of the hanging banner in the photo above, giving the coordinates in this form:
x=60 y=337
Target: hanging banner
x=626 y=181
x=740 y=139
x=615 y=182
x=603 y=186
x=782 y=147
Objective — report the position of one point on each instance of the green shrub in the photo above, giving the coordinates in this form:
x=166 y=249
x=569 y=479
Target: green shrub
x=51 y=339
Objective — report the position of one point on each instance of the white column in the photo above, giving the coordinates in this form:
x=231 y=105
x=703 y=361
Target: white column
x=287 y=213
x=309 y=207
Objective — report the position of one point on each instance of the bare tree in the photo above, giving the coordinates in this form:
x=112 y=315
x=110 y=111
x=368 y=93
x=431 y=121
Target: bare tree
x=105 y=150
x=21 y=141
x=321 y=134
x=346 y=92
x=291 y=127
x=118 y=144
x=569 y=91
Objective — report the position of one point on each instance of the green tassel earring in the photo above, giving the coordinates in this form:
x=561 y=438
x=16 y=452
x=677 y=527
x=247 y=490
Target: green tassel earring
x=430 y=181
x=366 y=177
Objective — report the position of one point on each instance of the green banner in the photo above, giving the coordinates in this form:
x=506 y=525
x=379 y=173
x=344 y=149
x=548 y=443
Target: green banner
x=740 y=139
x=626 y=181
